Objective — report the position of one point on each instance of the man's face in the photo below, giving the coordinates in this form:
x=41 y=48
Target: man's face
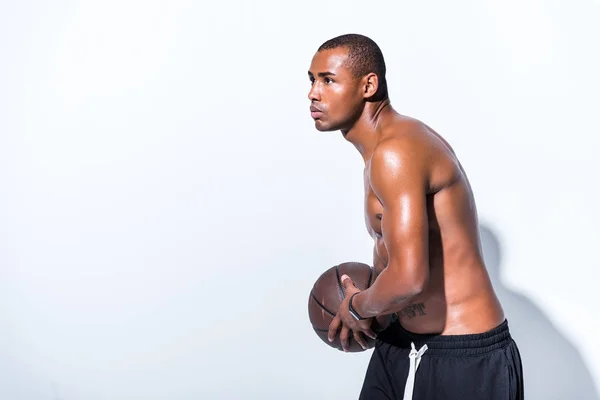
x=335 y=95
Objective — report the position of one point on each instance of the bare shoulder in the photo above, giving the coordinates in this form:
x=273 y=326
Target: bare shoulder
x=405 y=146
x=401 y=159
x=412 y=155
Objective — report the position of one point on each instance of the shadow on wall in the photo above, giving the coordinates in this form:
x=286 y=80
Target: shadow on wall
x=553 y=368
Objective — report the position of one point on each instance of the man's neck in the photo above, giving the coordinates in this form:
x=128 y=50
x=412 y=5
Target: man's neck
x=366 y=131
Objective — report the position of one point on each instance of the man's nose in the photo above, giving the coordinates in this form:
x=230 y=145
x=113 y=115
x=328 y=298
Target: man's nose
x=314 y=94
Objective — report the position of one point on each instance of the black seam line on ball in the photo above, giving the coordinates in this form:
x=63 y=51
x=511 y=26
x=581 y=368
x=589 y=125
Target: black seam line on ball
x=370 y=277
x=337 y=272
x=321 y=304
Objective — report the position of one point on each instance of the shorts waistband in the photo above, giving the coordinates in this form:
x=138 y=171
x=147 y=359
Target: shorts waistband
x=468 y=344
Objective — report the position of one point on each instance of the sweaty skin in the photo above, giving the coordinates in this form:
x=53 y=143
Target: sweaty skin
x=419 y=210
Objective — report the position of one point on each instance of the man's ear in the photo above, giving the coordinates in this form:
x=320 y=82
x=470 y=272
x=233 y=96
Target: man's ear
x=371 y=85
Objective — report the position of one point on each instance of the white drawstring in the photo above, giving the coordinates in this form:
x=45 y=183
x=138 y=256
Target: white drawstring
x=415 y=360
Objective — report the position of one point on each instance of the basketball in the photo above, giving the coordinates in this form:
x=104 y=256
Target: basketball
x=327 y=294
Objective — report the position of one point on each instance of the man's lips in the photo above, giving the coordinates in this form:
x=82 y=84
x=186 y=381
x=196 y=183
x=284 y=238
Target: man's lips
x=315 y=112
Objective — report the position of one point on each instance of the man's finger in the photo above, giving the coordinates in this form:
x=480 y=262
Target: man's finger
x=346 y=281
x=365 y=327
x=360 y=340
x=333 y=328
x=344 y=336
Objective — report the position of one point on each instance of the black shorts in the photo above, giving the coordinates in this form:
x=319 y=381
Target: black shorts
x=477 y=366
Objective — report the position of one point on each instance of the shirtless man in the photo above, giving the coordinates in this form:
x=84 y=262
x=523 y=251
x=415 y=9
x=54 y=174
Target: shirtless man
x=432 y=294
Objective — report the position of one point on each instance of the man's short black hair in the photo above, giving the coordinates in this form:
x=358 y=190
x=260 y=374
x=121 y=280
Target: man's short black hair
x=364 y=56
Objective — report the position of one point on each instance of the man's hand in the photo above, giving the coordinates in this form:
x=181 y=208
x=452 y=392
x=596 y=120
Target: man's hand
x=346 y=321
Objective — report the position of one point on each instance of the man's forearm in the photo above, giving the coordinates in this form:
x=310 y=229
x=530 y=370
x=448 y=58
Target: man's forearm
x=388 y=294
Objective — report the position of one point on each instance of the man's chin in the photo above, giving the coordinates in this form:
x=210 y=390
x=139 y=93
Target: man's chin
x=322 y=127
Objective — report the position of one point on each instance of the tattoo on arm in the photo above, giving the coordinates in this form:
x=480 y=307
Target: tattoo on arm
x=414 y=310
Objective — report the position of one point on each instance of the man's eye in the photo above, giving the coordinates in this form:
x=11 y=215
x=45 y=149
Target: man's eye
x=328 y=80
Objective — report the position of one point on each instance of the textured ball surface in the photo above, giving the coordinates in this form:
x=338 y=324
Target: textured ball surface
x=328 y=293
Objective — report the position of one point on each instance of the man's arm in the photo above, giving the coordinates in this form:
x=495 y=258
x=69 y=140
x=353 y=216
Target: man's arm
x=399 y=179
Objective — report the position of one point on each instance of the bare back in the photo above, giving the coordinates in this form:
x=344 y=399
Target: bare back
x=459 y=298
